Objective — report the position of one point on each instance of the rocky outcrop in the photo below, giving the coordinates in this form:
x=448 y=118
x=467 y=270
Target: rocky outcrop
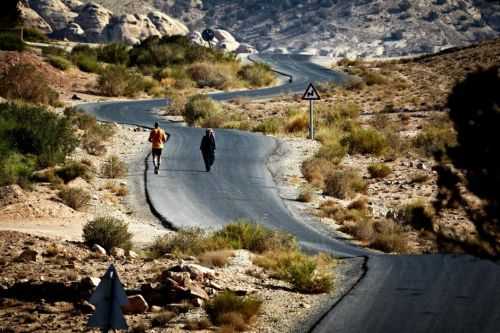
x=93 y=19
x=166 y=25
x=33 y=20
x=131 y=29
x=91 y=22
x=54 y=12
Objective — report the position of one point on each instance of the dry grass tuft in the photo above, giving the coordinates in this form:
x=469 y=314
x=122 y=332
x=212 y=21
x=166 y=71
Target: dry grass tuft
x=215 y=258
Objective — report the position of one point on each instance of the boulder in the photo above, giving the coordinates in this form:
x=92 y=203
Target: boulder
x=93 y=19
x=29 y=255
x=226 y=41
x=132 y=255
x=166 y=25
x=196 y=272
x=86 y=307
x=72 y=32
x=246 y=48
x=54 y=12
x=131 y=29
x=136 y=305
x=90 y=282
x=99 y=249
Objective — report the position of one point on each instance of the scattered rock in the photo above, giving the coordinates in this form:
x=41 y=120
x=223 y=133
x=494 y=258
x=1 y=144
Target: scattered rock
x=86 y=307
x=90 y=282
x=118 y=252
x=136 y=305
x=132 y=255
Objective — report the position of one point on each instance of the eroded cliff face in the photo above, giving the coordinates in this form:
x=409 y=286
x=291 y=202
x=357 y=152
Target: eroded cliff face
x=323 y=27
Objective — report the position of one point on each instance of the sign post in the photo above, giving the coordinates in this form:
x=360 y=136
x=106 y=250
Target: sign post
x=108 y=298
x=311 y=95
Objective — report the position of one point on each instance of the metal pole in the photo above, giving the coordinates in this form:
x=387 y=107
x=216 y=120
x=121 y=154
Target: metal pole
x=311 y=120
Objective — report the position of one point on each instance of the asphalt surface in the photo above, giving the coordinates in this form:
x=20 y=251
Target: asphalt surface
x=438 y=293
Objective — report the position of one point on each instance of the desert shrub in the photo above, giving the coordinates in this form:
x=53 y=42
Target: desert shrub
x=73 y=170
x=316 y=170
x=75 y=198
x=344 y=184
x=380 y=120
x=177 y=102
x=306 y=194
x=34 y=35
x=34 y=131
x=373 y=78
x=339 y=113
x=81 y=119
x=11 y=42
x=15 y=168
x=107 y=232
x=192 y=241
x=213 y=121
x=227 y=302
x=417 y=214
x=332 y=151
x=59 y=62
x=389 y=237
x=257 y=75
x=361 y=228
x=435 y=138
x=215 y=258
x=297 y=123
x=199 y=108
x=94 y=136
x=244 y=234
x=114 y=168
x=340 y=214
x=379 y=170
x=26 y=82
x=117 y=80
x=114 y=53
x=298 y=269
x=210 y=75
x=365 y=141
x=268 y=126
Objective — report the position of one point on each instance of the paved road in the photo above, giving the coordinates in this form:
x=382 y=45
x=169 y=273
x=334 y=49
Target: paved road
x=439 y=293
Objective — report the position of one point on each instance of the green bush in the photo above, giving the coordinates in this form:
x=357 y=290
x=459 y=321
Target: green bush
x=59 y=62
x=365 y=141
x=81 y=119
x=200 y=108
x=115 y=53
x=332 y=151
x=344 y=184
x=15 y=168
x=107 y=232
x=11 y=42
x=379 y=170
x=86 y=63
x=26 y=82
x=34 y=35
x=304 y=278
x=228 y=302
x=54 y=51
x=117 y=80
x=257 y=75
x=34 y=131
x=114 y=168
x=75 y=198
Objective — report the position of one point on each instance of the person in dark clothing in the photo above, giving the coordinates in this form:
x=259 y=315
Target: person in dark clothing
x=207 y=148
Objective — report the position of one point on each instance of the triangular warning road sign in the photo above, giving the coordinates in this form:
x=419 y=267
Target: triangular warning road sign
x=311 y=94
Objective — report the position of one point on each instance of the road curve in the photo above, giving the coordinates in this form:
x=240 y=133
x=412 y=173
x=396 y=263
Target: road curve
x=438 y=293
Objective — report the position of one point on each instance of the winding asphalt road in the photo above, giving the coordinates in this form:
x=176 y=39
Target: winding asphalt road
x=435 y=293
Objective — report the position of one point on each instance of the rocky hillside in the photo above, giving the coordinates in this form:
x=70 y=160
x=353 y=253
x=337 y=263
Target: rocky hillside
x=337 y=28
x=91 y=22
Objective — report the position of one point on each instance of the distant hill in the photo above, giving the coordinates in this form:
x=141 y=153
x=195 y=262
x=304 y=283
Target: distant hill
x=333 y=27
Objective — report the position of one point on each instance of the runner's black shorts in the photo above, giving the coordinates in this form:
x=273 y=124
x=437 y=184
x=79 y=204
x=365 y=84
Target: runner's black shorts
x=157 y=152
